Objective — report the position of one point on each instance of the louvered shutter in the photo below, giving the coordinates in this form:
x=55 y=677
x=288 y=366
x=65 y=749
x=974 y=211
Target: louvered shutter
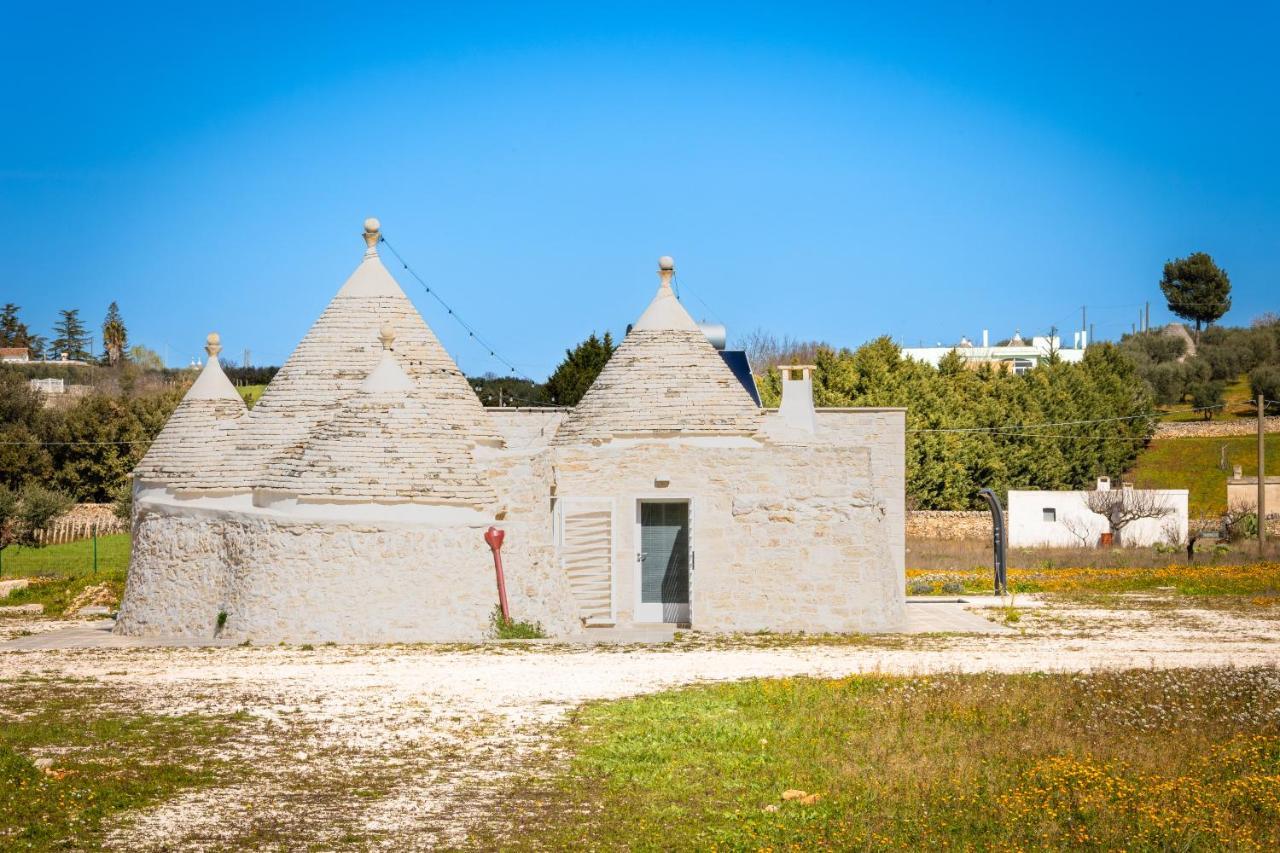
x=586 y=553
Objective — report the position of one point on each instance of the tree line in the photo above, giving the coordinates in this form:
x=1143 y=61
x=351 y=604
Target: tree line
x=72 y=337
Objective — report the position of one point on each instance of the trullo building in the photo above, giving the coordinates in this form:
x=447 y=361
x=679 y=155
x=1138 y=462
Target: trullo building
x=350 y=503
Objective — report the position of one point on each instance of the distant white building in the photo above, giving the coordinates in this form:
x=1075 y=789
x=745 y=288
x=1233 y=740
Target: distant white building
x=14 y=355
x=1063 y=519
x=1019 y=355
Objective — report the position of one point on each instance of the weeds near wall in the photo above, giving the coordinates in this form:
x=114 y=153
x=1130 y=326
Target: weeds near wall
x=510 y=629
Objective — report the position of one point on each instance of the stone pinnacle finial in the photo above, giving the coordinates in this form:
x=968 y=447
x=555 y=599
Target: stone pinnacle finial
x=666 y=269
x=387 y=335
x=372 y=234
x=213 y=345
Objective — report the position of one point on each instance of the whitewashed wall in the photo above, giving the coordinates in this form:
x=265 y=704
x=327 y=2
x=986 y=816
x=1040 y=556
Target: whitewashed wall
x=1028 y=529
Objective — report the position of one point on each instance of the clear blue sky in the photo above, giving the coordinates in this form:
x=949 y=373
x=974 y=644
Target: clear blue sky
x=816 y=170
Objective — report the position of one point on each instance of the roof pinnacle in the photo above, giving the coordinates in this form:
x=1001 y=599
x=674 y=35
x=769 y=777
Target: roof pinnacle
x=666 y=269
x=372 y=234
x=213 y=344
x=387 y=334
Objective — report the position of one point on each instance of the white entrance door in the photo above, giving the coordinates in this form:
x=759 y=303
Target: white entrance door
x=663 y=561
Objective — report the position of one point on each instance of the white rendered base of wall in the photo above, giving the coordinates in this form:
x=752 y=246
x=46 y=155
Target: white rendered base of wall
x=308 y=580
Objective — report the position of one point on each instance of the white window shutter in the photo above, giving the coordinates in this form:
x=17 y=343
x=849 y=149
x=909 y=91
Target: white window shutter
x=586 y=554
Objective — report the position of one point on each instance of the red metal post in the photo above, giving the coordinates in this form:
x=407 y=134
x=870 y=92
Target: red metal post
x=494 y=537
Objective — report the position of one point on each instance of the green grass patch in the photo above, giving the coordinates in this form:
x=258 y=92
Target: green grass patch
x=512 y=629
x=59 y=594
x=1237 y=404
x=67 y=767
x=1140 y=760
x=1195 y=464
x=1202 y=579
x=67 y=559
x=251 y=393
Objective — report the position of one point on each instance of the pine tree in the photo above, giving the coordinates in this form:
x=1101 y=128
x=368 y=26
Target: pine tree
x=70 y=336
x=13 y=332
x=115 y=337
x=1196 y=289
x=580 y=367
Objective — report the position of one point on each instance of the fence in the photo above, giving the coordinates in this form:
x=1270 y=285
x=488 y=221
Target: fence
x=80 y=523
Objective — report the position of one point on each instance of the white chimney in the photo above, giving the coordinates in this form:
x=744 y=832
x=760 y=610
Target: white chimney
x=1237 y=472
x=1104 y=484
x=984 y=338
x=1084 y=339
x=797 y=396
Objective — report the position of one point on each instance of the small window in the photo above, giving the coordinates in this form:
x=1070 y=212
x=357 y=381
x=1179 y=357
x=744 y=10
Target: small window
x=1049 y=514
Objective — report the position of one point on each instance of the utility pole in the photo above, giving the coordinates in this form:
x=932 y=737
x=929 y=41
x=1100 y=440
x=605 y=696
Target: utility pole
x=246 y=357
x=1262 y=480
x=1090 y=334
x=1146 y=322
x=1084 y=322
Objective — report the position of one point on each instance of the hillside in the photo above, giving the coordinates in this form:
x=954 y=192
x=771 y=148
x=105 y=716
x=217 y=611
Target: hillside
x=1197 y=464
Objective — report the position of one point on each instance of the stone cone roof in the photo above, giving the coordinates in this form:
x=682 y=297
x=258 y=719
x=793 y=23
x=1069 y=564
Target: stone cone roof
x=337 y=354
x=386 y=444
x=196 y=450
x=666 y=377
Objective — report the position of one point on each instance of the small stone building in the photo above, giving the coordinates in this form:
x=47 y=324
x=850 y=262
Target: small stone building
x=350 y=503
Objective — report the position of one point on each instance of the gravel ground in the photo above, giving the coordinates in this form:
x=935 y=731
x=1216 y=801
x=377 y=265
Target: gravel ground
x=398 y=747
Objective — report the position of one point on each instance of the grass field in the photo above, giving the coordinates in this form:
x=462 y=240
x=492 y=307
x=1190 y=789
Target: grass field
x=1137 y=760
x=251 y=393
x=61 y=573
x=1258 y=581
x=1237 y=401
x=1195 y=464
x=962 y=554
x=72 y=558
x=67 y=768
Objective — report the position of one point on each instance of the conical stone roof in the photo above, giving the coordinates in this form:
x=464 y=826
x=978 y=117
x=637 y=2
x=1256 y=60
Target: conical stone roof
x=386 y=444
x=665 y=378
x=336 y=355
x=196 y=450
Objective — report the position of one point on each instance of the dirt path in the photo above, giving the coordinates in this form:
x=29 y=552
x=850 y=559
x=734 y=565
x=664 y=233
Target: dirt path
x=398 y=746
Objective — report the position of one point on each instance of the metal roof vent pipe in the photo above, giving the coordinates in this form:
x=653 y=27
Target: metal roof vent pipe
x=797 y=396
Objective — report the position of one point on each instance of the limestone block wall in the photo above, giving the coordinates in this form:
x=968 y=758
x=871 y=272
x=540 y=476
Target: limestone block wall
x=526 y=429
x=537 y=587
x=283 y=579
x=883 y=433
x=786 y=538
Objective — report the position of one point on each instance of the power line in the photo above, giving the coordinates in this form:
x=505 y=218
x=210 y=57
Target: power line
x=467 y=327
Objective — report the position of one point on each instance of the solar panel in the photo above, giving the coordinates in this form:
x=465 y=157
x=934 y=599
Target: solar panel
x=741 y=367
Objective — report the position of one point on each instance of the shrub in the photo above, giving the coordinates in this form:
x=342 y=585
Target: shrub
x=1265 y=380
x=1206 y=395
x=919 y=587
x=510 y=629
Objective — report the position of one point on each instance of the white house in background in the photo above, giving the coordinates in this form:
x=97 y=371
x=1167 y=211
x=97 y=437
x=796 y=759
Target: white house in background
x=14 y=355
x=1063 y=519
x=1018 y=354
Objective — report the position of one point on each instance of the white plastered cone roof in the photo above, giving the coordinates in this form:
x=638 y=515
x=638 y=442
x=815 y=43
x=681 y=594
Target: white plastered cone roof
x=336 y=356
x=664 y=378
x=386 y=444
x=196 y=449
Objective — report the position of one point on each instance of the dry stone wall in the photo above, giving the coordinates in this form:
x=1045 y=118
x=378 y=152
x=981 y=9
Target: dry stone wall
x=1215 y=429
x=949 y=526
